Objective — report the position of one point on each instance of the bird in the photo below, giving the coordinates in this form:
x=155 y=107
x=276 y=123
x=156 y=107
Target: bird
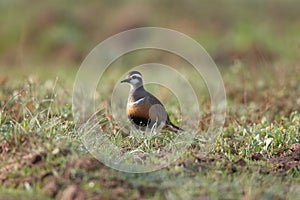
x=144 y=110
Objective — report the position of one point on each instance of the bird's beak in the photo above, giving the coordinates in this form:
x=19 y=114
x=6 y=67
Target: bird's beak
x=125 y=80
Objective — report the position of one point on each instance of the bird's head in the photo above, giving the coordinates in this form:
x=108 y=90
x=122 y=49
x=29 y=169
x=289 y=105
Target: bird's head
x=134 y=78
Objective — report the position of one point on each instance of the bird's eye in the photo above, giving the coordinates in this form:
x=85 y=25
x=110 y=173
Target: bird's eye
x=134 y=77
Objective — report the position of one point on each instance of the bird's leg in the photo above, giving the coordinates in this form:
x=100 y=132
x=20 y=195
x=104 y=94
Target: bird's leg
x=154 y=127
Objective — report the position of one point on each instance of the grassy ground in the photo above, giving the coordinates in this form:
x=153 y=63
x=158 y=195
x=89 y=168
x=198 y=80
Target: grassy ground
x=255 y=157
x=256 y=46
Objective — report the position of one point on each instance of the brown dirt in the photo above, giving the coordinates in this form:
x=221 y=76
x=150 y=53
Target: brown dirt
x=65 y=186
x=62 y=185
x=287 y=160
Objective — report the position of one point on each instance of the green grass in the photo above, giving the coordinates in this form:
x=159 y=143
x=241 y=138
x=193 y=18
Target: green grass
x=252 y=157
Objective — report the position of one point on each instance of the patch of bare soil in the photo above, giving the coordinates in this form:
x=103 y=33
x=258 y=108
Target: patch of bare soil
x=58 y=180
x=287 y=160
x=11 y=169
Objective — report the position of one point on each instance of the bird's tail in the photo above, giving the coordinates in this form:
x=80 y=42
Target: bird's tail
x=172 y=126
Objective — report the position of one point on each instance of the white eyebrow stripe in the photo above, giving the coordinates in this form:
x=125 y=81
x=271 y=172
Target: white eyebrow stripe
x=136 y=102
x=137 y=75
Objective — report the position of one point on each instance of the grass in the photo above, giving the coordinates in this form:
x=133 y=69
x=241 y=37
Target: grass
x=255 y=156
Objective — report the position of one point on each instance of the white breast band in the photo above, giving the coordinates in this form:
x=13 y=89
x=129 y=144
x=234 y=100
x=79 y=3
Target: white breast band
x=136 y=102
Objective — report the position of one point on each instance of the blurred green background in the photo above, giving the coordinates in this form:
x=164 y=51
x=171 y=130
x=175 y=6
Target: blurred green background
x=54 y=33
